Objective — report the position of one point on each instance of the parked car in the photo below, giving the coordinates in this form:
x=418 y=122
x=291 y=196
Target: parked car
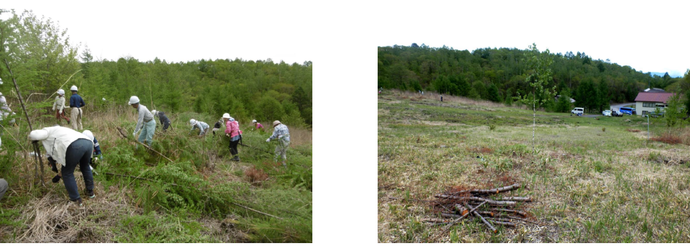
x=606 y=113
x=655 y=114
x=627 y=110
x=577 y=111
x=616 y=113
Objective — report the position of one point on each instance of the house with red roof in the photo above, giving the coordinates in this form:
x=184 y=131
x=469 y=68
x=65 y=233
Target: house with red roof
x=647 y=102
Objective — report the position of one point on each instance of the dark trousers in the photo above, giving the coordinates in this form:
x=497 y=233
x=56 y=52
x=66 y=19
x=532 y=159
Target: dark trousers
x=166 y=124
x=79 y=152
x=233 y=146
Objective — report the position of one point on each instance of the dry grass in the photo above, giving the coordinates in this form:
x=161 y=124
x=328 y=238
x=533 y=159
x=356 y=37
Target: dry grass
x=667 y=138
x=587 y=186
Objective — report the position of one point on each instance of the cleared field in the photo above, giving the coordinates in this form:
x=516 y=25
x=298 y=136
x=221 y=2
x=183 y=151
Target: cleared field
x=592 y=179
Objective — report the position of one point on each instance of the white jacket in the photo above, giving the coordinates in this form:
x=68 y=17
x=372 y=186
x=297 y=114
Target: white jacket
x=59 y=103
x=59 y=139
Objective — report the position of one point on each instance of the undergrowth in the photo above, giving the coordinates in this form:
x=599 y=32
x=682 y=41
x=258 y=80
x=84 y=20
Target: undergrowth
x=201 y=196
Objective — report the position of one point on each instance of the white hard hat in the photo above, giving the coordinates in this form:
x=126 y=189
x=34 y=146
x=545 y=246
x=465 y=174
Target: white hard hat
x=104 y=98
x=61 y=92
x=253 y=121
x=0 y=93
x=133 y=100
x=226 y=115
x=88 y=134
x=276 y=122
x=154 y=111
x=192 y=122
x=73 y=88
x=38 y=135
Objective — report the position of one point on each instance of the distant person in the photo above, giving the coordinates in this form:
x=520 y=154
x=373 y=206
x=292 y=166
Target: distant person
x=441 y=98
x=69 y=148
x=97 y=154
x=5 y=110
x=145 y=122
x=257 y=125
x=232 y=130
x=202 y=126
x=164 y=119
x=59 y=106
x=282 y=134
x=76 y=103
x=217 y=126
x=3 y=187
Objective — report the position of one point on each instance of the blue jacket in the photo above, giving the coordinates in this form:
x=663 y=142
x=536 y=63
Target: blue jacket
x=75 y=101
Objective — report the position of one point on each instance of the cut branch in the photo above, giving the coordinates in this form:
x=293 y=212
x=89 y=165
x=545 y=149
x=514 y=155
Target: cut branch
x=489 y=201
x=483 y=220
x=137 y=141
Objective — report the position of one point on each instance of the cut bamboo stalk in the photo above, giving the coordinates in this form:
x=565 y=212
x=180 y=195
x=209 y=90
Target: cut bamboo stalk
x=483 y=220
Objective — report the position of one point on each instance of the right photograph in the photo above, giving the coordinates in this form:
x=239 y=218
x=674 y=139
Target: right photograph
x=531 y=143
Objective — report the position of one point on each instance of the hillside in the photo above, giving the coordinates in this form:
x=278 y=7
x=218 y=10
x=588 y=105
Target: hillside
x=590 y=179
x=201 y=196
x=499 y=74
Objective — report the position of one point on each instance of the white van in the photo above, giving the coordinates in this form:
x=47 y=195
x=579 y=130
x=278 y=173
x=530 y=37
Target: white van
x=577 y=111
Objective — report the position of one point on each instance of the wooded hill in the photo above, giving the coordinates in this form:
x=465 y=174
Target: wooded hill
x=43 y=59
x=498 y=74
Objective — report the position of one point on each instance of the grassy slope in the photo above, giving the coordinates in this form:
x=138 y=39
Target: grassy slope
x=593 y=180
x=201 y=197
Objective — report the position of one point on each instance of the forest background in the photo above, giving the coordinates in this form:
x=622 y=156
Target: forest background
x=500 y=75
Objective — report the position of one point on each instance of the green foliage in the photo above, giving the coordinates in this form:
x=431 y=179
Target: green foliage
x=674 y=112
x=152 y=228
x=402 y=67
x=272 y=109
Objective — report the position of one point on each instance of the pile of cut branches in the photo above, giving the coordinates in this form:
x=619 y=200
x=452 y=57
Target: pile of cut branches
x=456 y=205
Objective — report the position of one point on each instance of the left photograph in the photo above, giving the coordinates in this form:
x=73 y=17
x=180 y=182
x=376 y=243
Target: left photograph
x=131 y=128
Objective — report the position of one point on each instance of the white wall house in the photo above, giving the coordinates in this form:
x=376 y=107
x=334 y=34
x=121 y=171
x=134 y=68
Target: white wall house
x=647 y=102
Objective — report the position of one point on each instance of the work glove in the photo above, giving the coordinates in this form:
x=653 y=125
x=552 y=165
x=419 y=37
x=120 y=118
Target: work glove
x=53 y=165
x=268 y=140
x=95 y=160
x=227 y=135
x=56 y=179
x=135 y=134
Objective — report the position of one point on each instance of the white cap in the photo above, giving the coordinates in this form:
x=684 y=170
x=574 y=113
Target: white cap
x=104 y=98
x=61 y=92
x=226 y=115
x=154 y=112
x=38 y=135
x=73 y=88
x=253 y=121
x=276 y=122
x=133 y=100
x=88 y=134
x=0 y=93
x=192 y=122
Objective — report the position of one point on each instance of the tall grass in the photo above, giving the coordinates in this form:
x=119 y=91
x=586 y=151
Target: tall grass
x=201 y=196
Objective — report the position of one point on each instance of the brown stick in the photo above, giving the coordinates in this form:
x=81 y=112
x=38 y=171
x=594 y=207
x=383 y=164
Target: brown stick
x=524 y=199
x=509 y=224
x=523 y=214
x=483 y=220
x=435 y=220
x=137 y=141
x=487 y=213
x=460 y=209
x=489 y=201
x=490 y=191
x=523 y=219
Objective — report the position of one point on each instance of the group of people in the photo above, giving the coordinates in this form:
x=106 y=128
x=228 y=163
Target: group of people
x=76 y=103
x=69 y=147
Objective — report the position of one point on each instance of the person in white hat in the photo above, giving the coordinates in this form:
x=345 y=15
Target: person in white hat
x=145 y=122
x=59 y=106
x=202 y=126
x=257 y=125
x=280 y=132
x=69 y=148
x=232 y=130
x=76 y=103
